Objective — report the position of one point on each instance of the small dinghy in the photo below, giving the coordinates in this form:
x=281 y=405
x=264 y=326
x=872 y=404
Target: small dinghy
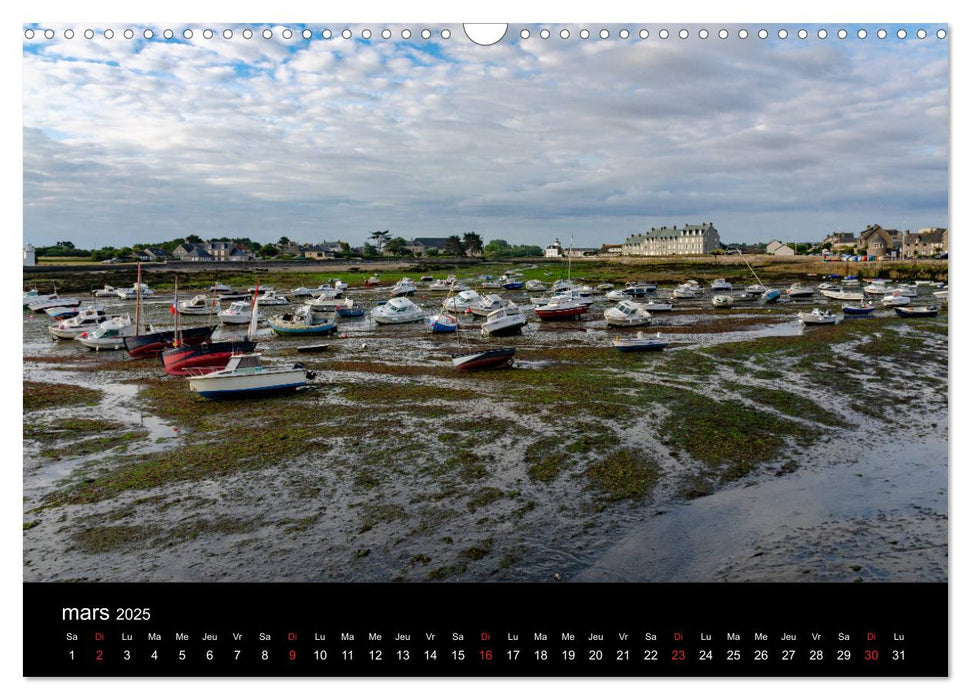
x=484 y=359
x=640 y=343
x=915 y=311
x=303 y=321
x=859 y=309
x=313 y=348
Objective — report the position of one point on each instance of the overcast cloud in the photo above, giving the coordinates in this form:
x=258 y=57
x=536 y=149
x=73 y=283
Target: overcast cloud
x=130 y=141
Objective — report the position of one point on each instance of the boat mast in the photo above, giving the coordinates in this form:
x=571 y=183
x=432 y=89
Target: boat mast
x=175 y=306
x=749 y=267
x=138 y=301
x=254 y=311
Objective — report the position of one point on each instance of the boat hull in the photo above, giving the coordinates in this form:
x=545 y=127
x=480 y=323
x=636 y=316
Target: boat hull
x=320 y=329
x=506 y=330
x=561 y=314
x=488 y=359
x=915 y=313
x=151 y=344
x=859 y=310
x=635 y=346
x=249 y=385
x=180 y=361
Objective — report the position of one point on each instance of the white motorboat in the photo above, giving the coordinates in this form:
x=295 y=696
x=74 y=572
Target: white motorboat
x=799 y=291
x=442 y=285
x=245 y=374
x=536 y=286
x=657 y=306
x=817 y=318
x=505 y=321
x=941 y=294
x=563 y=285
x=842 y=295
x=87 y=319
x=618 y=295
x=605 y=286
x=895 y=298
x=687 y=291
x=909 y=290
x=722 y=301
x=720 y=285
x=489 y=303
x=109 y=335
x=338 y=285
x=851 y=282
x=639 y=289
x=32 y=296
x=106 y=291
x=627 y=314
x=300 y=292
x=462 y=302
x=132 y=292
x=219 y=288
x=878 y=288
x=271 y=297
x=398 y=310
x=825 y=285
x=640 y=343
x=238 y=313
x=49 y=301
x=584 y=290
x=403 y=288
x=326 y=302
x=756 y=290
x=199 y=305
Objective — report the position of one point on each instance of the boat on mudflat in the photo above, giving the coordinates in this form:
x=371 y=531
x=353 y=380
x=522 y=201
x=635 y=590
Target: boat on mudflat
x=862 y=309
x=484 y=359
x=87 y=320
x=151 y=344
x=841 y=295
x=640 y=343
x=303 y=321
x=506 y=321
x=722 y=301
x=245 y=375
x=915 y=311
x=561 y=308
x=109 y=335
x=185 y=359
x=818 y=318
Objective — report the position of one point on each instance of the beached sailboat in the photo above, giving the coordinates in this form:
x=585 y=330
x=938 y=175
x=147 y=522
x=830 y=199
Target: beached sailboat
x=766 y=294
x=152 y=343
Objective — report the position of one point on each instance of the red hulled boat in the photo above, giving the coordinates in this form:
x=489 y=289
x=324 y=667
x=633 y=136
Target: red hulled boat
x=558 y=310
x=189 y=359
x=152 y=344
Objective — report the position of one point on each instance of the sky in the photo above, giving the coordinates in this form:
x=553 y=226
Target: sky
x=146 y=139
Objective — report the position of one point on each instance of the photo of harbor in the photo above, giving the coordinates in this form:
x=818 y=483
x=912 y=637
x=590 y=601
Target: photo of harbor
x=567 y=341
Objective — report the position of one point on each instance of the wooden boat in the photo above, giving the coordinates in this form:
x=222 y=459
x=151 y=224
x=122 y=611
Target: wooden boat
x=483 y=359
x=640 y=343
x=183 y=360
x=245 y=375
x=915 y=311
x=152 y=344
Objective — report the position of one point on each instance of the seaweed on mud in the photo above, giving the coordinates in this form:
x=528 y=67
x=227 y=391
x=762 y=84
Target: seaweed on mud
x=43 y=395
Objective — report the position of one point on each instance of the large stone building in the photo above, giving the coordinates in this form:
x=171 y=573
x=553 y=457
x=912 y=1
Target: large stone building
x=421 y=246
x=925 y=243
x=878 y=241
x=840 y=240
x=692 y=239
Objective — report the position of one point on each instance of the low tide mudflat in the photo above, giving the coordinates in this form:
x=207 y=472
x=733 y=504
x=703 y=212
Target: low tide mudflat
x=750 y=449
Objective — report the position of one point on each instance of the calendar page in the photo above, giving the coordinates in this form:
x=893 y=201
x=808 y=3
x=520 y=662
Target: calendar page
x=563 y=349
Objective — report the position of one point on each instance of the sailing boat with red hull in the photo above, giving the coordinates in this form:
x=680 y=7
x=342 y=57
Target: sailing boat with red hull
x=144 y=345
x=183 y=360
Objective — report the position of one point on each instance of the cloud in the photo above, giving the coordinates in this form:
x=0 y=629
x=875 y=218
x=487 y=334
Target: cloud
x=142 y=140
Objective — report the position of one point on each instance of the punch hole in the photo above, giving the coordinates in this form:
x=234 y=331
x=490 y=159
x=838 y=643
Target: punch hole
x=802 y=33
x=643 y=34
x=487 y=34
x=743 y=33
x=763 y=34
x=227 y=33
x=722 y=33
x=68 y=33
x=584 y=33
x=186 y=34
x=842 y=34
x=366 y=34
x=446 y=33
x=604 y=34
x=921 y=34
x=881 y=34
x=426 y=34
x=683 y=34
x=702 y=33
x=129 y=34
x=306 y=34
x=861 y=34
x=208 y=34
x=941 y=34
x=48 y=33
x=385 y=33
x=664 y=33
x=346 y=34
x=326 y=34
x=783 y=34
x=624 y=34
x=89 y=33
x=148 y=34
x=287 y=34
x=168 y=33
x=29 y=33
x=110 y=34
x=524 y=34
x=405 y=33
x=544 y=34
x=821 y=34
x=267 y=34
x=901 y=33
x=564 y=33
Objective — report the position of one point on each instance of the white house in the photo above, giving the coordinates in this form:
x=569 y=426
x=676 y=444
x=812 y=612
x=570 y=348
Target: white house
x=30 y=258
x=553 y=250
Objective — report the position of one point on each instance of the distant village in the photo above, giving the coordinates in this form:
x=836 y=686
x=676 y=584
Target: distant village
x=872 y=243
